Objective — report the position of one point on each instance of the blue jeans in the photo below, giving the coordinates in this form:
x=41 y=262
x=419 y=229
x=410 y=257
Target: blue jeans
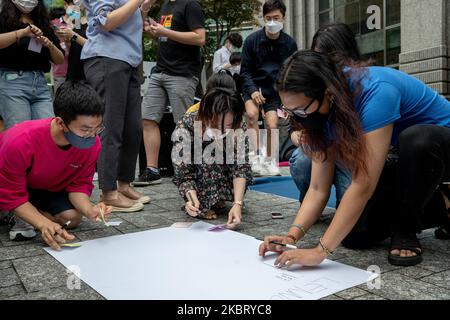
x=300 y=166
x=24 y=95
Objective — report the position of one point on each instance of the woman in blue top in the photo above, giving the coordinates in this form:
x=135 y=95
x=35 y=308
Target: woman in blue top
x=112 y=54
x=352 y=117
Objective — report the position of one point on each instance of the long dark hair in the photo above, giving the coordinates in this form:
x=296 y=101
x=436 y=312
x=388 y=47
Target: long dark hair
x=339 y=42
x=220 y=101
x=10 y=18
x=314 y=74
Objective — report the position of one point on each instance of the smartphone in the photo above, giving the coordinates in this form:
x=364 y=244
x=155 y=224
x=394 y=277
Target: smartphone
x=152 y=22
x=277 y=215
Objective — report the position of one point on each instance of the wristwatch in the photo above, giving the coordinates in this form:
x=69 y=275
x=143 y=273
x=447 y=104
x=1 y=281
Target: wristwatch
x=74 y=38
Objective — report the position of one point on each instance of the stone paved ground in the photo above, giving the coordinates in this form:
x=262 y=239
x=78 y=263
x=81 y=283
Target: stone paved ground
x=28 y=272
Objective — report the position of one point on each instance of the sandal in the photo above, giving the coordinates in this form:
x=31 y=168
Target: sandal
x=210 y=215
x=405 y=241
x=219 y=207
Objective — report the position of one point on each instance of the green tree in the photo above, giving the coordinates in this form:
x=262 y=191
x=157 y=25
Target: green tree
x=58 y=3
x=222 y=16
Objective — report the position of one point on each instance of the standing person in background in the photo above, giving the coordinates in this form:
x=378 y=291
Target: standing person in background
x=222 y=56
x=114 y=74
x=27 y=46
x=59 y=21
x=181 y=33
x=262 y=57
x=76 y=38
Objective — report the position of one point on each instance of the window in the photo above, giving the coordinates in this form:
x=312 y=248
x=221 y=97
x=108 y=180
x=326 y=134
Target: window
x=384 y=45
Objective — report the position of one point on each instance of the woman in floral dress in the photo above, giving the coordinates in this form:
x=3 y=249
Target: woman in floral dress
x=218 y=171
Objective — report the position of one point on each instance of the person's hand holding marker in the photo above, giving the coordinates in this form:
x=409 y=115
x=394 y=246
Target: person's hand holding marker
x=290 y=254
x=193 y=205
x=99 y=212
x=275 y=244
x=54 y=234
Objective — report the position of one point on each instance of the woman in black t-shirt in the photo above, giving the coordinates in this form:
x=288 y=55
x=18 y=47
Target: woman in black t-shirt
x=27 y=46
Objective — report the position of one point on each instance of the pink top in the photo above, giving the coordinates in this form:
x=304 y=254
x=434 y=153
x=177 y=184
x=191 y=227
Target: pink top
x=60 y=70
x=30 y=158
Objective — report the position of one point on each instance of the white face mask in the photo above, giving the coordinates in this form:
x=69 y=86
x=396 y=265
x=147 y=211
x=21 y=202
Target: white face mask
x=231 y=48
x=213 y=133
x=274 y=27
x=25 y=6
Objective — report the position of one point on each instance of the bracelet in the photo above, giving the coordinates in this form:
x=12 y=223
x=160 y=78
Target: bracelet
x=239 y=203
x=290 y=236
x=325 y=249
x=300 y=227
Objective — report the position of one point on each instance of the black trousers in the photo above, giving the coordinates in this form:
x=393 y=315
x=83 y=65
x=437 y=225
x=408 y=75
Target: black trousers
x=407 y=198
x=118 y=85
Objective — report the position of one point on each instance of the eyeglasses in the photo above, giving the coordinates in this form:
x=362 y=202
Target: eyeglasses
x=89 y=133
x=299 y=111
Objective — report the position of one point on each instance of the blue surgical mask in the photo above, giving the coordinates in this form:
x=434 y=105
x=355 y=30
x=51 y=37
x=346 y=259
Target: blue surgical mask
x=79 y=142
x=72 y=14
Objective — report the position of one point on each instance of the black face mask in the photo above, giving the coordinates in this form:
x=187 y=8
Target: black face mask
x=315 y=121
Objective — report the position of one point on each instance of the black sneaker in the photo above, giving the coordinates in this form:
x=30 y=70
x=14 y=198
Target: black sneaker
x=147 y=178
x=5 y=218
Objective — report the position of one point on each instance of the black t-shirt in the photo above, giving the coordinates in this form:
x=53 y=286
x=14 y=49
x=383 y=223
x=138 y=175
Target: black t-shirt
x=175 y=58
x=75 y=66
x=18 y=57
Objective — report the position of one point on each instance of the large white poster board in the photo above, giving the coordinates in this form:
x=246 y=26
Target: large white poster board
x=193 y=263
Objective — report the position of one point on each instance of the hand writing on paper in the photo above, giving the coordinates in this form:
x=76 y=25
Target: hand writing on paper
x=54 y=235
x=268 y=246
x=234 y=217
x=193 y=205
x=304 y=257
x=99 y=211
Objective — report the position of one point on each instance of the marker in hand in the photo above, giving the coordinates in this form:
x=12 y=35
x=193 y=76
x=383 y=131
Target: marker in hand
x=289 y=246
x=66 y=225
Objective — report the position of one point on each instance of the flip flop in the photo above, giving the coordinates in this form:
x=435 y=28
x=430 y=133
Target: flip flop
x=405 y=241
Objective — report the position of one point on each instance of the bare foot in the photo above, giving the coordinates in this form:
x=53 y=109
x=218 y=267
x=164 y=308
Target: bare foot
x=130 y=192
x=404 y=253
x=116 y=199
x=210 y=215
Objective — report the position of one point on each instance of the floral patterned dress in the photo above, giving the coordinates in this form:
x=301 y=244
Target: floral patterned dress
x=212 y=182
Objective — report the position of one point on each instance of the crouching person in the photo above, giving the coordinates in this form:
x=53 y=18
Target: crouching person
x=47 y=167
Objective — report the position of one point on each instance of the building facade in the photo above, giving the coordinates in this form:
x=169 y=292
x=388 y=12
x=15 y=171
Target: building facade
x=410 y=35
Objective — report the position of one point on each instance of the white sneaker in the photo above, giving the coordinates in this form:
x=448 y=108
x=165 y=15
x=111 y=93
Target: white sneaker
x=258 y=166
x=272 y=168
x=21 y=230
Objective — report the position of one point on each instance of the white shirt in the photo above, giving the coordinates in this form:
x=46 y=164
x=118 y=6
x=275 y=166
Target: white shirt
x=221 y=58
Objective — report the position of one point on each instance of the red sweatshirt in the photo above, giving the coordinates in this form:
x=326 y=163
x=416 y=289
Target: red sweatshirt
x=29 y=158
